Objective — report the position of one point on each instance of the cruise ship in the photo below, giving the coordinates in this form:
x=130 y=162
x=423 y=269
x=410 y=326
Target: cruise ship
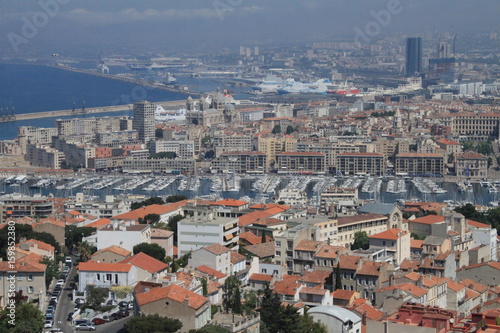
x=162 y=115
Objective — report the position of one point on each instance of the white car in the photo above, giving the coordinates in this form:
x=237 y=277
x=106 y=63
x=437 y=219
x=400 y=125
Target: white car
x=49 y=323
x=60 y=282
x=53 y=298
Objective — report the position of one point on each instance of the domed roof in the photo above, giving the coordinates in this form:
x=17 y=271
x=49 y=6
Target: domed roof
x=229 y=107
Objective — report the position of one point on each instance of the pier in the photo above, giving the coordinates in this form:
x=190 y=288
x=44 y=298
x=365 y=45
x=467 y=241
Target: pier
x=83 y=111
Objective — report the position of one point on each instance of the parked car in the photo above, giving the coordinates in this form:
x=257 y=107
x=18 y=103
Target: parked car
x=53 y=298
x=98 y=321
x=56 y=292
x=70 y=316
x=116 y=316
x=130 y=305
x=55 y=330
x=112 y=302
x=108 y=318
x=124 y=313
x=79 y=301
x=123 y=304
x=51 y=308
x=85 y=327
x=68 y=260
x=66 y=269
x=49 y=316
x=61 y=282
x=48 y=323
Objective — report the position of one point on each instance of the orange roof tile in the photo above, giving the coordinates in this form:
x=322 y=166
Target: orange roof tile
x=416 y=243
x=216 y=249
x=478 y=224
x=115 y=249
x=343 y=294
x=236 y=257
x=103 y=267
x=329 y=251
x=408 y=287
x=173 y=292
x=250 y=237
x=308 y=245
x=151 y=209
x=230 y=203
x=371 y=268
x=454 y=286
x=370 y=311
x=313 y=291
x=391 y=234
x=258 y=215
x=210 y=271
x=146 y=262
x=429 y=219
x=41 y=245
x=99 y=223
x=261 y=277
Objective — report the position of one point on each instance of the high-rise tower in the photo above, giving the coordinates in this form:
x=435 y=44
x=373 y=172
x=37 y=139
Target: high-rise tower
x=144 y=120
x=413 y=56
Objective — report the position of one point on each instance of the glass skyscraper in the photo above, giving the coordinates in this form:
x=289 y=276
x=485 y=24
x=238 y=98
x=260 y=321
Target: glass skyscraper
x=413 y=56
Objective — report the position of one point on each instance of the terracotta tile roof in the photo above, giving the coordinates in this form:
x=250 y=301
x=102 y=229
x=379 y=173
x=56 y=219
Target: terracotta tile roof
x=359 y=301
x=429 y=219
x=236 y=257
x=416 y=243
x=287 y=286
x=343 y=294
x=213 y=287
x=216 y=249
x=371 y=268
x=41 y=245
x=146 y=262
x=22 y=265
x=74 y=213
x=152 y=209
x=262 y=206
x=391 y=234
x=471 y=284
x=103 y=267
x=315 y=276
x=370 y=311
x=230 y=203
x=270 y=221
x=262 y=250
x=455 y=286
x=408 y=287
x=161 y=233
x=308 y=245
x=448 y=142
x=478 y=224
x=99 y=223
x=115 y=249
x=360 y=218
x=330 y=252
x=469 y=293
x=210 y=271
x=258 y=215
x=471 y=155
x=313 y=291
x=250 y=237
x=261 y=277
x=173 y=292
x=349 y=262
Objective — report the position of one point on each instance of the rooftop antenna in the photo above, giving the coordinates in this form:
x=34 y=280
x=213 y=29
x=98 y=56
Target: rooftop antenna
x=83 y=107
x=12 y=110
x=74 y=107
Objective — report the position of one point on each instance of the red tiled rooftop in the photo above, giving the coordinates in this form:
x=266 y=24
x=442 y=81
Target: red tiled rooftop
x=261 y=277
x=103 y=267
x=391 y=234
x=173 y=292
x=229 y=203
x=429 y=219
x=210 y=271
x=146 y=262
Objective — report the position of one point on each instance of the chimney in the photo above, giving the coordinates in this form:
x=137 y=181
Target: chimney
x=186 y=301
x=363 y=319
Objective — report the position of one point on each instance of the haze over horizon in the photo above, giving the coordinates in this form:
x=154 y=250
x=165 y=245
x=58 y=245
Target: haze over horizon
x=154 y=25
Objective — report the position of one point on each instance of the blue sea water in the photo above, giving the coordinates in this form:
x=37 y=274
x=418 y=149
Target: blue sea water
x=37 y=88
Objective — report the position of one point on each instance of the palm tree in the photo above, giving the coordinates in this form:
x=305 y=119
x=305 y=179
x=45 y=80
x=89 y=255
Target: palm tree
x=85 y=251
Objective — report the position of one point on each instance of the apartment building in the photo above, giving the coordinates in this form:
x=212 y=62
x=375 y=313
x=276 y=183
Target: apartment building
x=273 y=145
x=361 y=164
x=300 y=163
x=420 y=164
x=93 y=125
x=159 y=165
x=470 y=165
x=43 y=156
x=35 y=135
x=182 y=149
x=19 y=205
x=116 y=138
x=231 y=142
x=473 y=126
x=206 y=229
x=241 y=162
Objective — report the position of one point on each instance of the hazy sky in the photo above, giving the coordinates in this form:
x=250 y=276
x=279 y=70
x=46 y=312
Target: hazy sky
x=180 y=24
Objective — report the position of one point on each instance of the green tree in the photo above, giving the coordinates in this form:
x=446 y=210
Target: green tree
x=164 y=154
x=175 y=198
x=96 y=296
x=269 y=305
x=204 y=287
x=211 y=329
x=338 y=278
x=47 y=238
x=151 y=219
x=147 y=202
x=152 y=324
x=414 y=236
x=361 y=241
x=51 y=272
x=289 y=129
x=28 y=319
x=251 y=300
x=205 y=140
x=159 y=133
x=276 y=129
x=451 y=158
x=74 y=235
x=20 y=230
x=231 y=299
x=172 y=225
x=306 y=324
x=153 y=250
x=85 y=250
